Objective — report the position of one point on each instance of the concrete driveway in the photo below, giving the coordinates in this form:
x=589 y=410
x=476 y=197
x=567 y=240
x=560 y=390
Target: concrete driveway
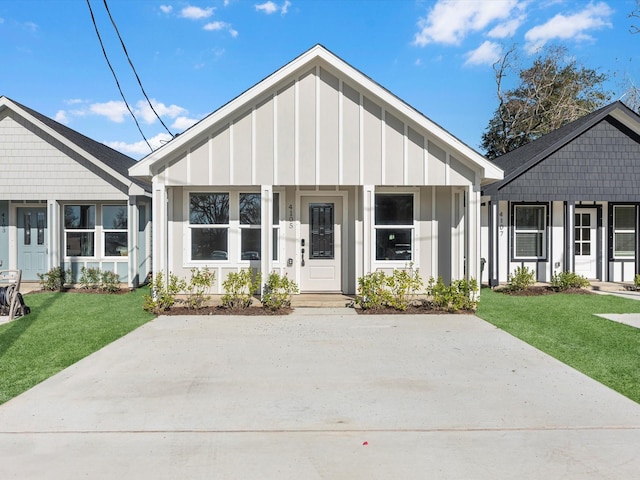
x=319 y=394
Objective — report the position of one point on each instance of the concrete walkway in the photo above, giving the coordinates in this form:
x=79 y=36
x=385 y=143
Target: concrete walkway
x=322 y=393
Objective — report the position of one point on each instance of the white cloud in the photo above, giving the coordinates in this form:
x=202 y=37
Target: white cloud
x=506 y=29
x=196 y=13
x=450 y=21
x=166 y=8
x=486 y=54
x=594 y=16
x=115 y=111
x=61 y=116
x=140 y=148
x=218 y=25
x=143 y=109
x=272 y=7
x=182 y=123
x=267 y=7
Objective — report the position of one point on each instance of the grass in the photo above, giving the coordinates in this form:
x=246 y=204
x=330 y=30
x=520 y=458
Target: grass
x=61 y=329
x=565 y=327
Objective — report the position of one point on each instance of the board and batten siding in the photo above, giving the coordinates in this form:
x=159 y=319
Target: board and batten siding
x=34 y=169
x=317 y=130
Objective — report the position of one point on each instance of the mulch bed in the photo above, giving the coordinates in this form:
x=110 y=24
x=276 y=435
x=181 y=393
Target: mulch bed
x=411 y=310
x=541 y=290
x=219 y=310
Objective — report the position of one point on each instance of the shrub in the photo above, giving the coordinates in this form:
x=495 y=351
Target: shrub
x=239 y=288
x=277 y=291
x=372 y=291
x=403 y=286
x=199 y=284
x=565 y=280
x=55 y=279
x=89 y=278
x=460 y=295
x=163 y=294
x=109 y=282
x=521 y=279
x=636 y=281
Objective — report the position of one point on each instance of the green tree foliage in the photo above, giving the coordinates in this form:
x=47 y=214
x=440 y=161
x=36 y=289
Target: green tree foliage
x=552 y=92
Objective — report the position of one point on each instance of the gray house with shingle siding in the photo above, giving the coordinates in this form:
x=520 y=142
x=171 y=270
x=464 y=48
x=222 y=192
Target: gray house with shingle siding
x=570 y=201
x=67 y=200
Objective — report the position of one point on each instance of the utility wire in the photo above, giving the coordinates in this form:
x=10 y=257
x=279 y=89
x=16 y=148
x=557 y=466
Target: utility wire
x=134 y=68
x=104 y=52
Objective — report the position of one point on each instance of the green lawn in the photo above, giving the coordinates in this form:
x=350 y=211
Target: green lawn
x=565 y=327
x=61 y=329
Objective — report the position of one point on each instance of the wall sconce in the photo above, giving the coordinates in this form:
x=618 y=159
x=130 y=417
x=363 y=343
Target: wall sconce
x=3 y=224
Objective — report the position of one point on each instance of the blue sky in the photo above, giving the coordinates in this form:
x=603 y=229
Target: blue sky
x=194 y=56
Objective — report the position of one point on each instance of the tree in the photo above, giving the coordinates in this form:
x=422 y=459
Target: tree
x=554 y=91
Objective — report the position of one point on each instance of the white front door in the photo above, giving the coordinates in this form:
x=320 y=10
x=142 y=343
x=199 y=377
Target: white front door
x=320 y=244
x=585 y=242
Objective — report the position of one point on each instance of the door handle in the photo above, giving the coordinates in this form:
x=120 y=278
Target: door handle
x=302 y=262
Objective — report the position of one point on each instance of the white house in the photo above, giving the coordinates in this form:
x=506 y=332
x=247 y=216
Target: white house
x=321 y=174
x=68 y=201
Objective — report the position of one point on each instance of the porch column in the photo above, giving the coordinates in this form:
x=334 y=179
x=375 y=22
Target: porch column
x=494 y=258
x=473 y=233
x=133 y=219
x=637 y=243
x=55 y=228
x=368 y=219
x=159 y=231
x=266 y=237
x=569 y=233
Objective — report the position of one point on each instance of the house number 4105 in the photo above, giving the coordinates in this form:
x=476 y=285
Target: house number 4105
x=290 y=215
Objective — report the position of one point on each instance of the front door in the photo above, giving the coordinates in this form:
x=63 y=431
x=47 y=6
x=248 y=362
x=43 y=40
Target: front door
x=32 y=242
x=585 y=242
x=321 y=244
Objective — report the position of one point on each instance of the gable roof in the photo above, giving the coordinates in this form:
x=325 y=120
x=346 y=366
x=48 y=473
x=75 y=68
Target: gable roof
x=107 y=159
x=522 y=159
x=146 y=167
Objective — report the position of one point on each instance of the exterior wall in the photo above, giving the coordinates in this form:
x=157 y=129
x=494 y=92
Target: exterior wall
x=317 y=130
x=4 y=235
x=34 y=169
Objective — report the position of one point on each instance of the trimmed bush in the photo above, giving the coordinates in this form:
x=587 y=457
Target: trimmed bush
x=372 y=291
x=277 y=291
x=163 y=294
x=566 y=280
x=200 y=282
x=460 y=295
x=521 y=279
x=239 y=288
x=55 y=279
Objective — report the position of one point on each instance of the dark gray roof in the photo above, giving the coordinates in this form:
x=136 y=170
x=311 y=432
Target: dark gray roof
x=523 y=159
x=107 y=155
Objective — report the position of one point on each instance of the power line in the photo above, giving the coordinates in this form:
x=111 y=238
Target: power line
x=134 y=69
x=104 y=52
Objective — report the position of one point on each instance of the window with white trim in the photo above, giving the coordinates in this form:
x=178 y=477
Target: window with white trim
x=114 y=230
x=209 y=226
x=624 y=231
x=394 y=226
x=529 y=231
x=79 y=230
x=250 y=222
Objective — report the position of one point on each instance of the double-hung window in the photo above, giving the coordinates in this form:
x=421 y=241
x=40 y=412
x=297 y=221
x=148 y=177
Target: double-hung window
x=79 y=230
x=624 y=231
x=394 y=226
x=529 y=231
x=114 y=230
x=209 y=226
x=250 y=221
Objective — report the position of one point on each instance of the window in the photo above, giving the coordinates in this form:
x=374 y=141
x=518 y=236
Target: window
x=529 y=231
x=394 y=226
x=250 y=221
x=209 y=226
x=114 y=229
x=624 y=231
x=79 y=230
